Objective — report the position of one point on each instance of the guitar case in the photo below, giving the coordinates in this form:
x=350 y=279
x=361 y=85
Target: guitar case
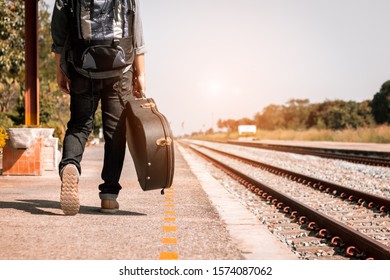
x=150 y=141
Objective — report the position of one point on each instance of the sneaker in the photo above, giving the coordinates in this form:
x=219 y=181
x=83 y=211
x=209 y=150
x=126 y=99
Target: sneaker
x=109 y=204
x=69 y=199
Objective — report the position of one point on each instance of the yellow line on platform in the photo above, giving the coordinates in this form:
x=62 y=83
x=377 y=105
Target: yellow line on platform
x=170 y=219
x=167 y=240
x=169 y=256
x=169 y=228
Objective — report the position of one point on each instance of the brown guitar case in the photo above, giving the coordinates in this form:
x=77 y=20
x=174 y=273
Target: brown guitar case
x=150 y=142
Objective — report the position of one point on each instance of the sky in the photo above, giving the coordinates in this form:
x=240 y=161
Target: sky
x=222 y=59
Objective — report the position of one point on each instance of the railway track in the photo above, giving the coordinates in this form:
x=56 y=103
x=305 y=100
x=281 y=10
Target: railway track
x=316 y=218
x=362 y=157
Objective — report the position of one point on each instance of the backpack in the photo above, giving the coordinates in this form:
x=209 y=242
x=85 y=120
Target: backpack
x=101 y=40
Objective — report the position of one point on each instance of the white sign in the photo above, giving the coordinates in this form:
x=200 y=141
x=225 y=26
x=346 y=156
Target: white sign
x=246 y=129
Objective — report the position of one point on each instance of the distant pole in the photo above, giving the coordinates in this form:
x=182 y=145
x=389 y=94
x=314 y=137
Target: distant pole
x=31 y=57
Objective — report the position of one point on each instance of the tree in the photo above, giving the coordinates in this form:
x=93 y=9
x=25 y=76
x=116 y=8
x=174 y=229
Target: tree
x=339 y=114
x=380 y=104
x=54 y=105
x=245 y=121
x=365 y=113
x=314 y=119
x=209 y=131
x=11 y=57
x=272 y=117
x=230 y=124
x=296 y=113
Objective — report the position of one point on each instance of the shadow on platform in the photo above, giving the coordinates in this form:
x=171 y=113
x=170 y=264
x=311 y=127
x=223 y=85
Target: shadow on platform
x=35 y=207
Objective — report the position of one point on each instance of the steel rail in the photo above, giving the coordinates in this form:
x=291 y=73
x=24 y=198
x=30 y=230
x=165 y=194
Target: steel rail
x=340 y=233
x=344 y=192
x=322 y=152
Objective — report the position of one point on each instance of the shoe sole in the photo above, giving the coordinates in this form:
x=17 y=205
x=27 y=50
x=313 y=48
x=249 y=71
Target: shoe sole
x=109 y=211
x=69 y=199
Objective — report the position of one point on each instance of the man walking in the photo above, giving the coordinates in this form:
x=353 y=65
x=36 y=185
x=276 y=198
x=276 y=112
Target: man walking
x=99 y=49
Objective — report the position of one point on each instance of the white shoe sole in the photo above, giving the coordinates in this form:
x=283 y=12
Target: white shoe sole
x=69 y=199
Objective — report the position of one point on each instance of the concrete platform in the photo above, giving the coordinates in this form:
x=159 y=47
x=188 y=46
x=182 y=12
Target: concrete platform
x=192 y=221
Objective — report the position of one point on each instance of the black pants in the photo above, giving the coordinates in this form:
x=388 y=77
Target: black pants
x=85 y=96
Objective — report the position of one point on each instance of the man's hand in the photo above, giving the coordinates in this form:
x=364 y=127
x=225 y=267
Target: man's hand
x=139 y=87
x=62 y=81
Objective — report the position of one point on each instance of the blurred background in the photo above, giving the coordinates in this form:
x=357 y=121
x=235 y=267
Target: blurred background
x=288 y=67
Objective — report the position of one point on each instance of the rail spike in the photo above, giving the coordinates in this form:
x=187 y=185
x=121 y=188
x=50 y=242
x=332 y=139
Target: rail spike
x=293 y=214
x=336 y=241
x=279 y=205
x=302 y=220
x=312 y=226
x=323 y=233
x=352 y=251
x=371 y=205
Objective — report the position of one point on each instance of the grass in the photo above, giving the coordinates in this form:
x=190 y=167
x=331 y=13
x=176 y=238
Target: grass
x=379 y=134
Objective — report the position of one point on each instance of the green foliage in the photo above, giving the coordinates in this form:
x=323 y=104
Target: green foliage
x=380 y=104
x=271 y=117
x=300 y=114
x=5 y=121
x=296 y=113
x=12 y=39
x=339 y=114
x=230 y=124
x=54 y=106
x=11 y=53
